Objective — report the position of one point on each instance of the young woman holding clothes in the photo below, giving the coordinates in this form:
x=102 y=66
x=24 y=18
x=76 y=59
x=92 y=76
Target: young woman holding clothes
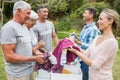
x=102 y=51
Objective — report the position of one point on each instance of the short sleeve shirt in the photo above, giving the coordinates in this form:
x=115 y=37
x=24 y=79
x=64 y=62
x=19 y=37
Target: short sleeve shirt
x=14 y=33
x=45 y=31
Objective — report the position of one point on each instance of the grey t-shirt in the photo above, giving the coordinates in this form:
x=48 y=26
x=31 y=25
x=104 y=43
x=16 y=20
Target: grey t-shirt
x=45 y=31
x=33 y=37
x=14 y=33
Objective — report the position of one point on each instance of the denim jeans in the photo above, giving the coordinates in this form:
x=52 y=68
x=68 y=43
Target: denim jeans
x=85 y=70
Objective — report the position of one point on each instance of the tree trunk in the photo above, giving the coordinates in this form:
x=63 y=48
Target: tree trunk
x=1 y=13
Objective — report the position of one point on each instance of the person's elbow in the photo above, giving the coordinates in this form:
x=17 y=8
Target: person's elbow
x=9 y=58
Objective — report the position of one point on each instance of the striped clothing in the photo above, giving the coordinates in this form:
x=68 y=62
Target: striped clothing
x=88 y=33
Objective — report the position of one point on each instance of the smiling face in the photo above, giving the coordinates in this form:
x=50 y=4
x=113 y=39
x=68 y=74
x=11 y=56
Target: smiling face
x=104 y=22
x=43 y=13
x=30 y=23
x=24 y=15
x=87 y=15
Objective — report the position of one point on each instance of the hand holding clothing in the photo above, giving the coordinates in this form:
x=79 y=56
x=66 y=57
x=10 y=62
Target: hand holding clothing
x=40 y=60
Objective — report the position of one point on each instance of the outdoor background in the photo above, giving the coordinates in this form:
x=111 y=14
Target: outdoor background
x=67 y=18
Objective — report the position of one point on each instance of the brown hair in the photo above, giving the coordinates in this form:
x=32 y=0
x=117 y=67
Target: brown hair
x=92 y=11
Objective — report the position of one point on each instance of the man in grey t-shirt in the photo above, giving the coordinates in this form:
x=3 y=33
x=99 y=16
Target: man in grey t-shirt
x=44 y=29
x=16 y=44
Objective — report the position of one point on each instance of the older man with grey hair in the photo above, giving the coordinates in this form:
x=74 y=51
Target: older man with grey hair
x=16 y=44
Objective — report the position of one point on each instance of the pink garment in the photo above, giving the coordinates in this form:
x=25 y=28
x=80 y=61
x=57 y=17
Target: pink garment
x=64 y=44
x=48 y=66
x=102 y=57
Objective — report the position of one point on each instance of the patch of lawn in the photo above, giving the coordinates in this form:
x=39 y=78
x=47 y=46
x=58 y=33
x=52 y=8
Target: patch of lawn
x=2 y=67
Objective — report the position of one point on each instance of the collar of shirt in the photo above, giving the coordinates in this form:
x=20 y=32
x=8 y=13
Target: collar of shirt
x=87 y=25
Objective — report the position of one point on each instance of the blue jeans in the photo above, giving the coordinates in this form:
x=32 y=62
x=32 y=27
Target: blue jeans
x=85 y=69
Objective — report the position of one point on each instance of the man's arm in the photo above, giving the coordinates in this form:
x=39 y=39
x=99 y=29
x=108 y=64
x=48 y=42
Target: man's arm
x=55 y=38
x=11 y=57
x=90 y=38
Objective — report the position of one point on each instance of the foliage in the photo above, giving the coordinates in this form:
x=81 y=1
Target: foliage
x=62 y=35
x=118 y=32
x=78 y=24
x=59 y=9
x=99 y=0
x=110 y=2
x=34 y=4
x=118 y=41
x=117 y=8
x=117 y=5
x=99 y=6
x=63 y=25
x=74 y=4
x=7 y=11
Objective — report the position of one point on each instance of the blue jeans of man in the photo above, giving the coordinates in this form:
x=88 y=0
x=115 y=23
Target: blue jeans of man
x=85 y=69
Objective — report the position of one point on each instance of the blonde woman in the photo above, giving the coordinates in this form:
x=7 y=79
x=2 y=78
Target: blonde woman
x=101 y=53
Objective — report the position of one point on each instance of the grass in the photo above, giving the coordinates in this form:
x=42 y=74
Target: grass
x=2 y=66
x=63 y=34
x=116 y=66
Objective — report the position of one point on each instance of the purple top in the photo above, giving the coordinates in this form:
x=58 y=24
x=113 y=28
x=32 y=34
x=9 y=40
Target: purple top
x=64 y=44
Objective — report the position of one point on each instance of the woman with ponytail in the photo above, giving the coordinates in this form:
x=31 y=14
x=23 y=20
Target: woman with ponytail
x=102 y=51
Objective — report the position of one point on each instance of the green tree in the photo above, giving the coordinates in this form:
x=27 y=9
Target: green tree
x=99 y=6
x=117 y=8
x=117 y=5
x=58 y=8
x=74 y=4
